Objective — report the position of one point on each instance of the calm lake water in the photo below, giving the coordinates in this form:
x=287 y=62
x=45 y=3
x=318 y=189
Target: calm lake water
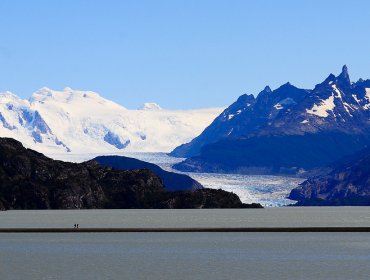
x=268 y=217
x=186 y=255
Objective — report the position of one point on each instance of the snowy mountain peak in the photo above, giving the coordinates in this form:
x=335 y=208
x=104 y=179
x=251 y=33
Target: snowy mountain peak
x=150 y=106
x=10 y=100
x=67 y=89
x=84 y=122
x=7 y=95
x=68 y=96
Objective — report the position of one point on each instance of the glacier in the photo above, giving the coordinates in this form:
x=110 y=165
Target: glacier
x=269 y=191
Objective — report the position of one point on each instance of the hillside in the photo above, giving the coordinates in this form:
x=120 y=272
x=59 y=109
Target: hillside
x=30 y=180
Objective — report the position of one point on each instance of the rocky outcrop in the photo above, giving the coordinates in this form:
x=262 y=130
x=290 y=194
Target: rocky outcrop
x=29 y=180
x=347 y=184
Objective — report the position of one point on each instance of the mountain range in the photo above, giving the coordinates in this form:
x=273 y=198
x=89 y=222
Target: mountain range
x=75 y=121
x=284 y=131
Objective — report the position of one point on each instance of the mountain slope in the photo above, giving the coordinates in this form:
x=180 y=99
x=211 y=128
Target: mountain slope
x=347 y=184
x=84 y=122
x=288 y=130
x=172 y=181
x=246 y=115
x=30 y=180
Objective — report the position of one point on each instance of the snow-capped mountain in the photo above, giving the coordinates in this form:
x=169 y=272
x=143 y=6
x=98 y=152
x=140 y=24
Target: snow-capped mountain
x=335 y=104
x=287 y=128
x=150 y=106
x=84 y=122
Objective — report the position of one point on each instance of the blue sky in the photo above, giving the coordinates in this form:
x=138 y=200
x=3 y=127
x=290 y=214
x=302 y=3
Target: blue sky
x=180 y=54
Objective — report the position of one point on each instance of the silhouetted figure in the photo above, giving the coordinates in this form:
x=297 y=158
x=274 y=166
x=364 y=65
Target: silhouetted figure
x=75 y=225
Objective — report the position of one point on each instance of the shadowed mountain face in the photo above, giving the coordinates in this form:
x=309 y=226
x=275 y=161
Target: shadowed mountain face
x=172 y=181
x=29 y=180
x=347 y=184
x=285 y=131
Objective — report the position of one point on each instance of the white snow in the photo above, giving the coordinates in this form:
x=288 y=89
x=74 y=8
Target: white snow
x=84 y=122
x=150 y=106
x=337 y=91
x=278 y=106
x=230 y=116
x=355 y=98
x=367 y=96
x=238 y=112
x=322 y=109
x=305 y=121
x=231 y=130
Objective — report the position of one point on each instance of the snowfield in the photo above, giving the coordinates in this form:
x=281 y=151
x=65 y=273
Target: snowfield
x=84 y=122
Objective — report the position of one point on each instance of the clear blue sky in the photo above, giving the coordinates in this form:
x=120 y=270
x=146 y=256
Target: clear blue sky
x=180 y=54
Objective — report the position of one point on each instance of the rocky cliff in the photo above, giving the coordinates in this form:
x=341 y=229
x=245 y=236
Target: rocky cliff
x=347 y=184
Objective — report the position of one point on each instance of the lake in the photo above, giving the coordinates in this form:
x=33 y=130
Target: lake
x=186 y=255
x=268 y=217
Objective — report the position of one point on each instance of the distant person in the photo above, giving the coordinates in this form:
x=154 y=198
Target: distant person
x=75 y=225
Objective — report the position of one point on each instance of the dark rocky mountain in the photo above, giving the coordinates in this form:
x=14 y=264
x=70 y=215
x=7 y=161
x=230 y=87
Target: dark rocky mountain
x=347 y=184
x=246 y=115
x=172 y=181
x=29 y=180
x=288 y=130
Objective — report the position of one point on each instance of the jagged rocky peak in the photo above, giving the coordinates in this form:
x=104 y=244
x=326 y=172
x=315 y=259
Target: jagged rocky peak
x=342 y=80
x=285 y=87
x=267 y=89
x=330 y=79
x=344 y=76
x=246 y=98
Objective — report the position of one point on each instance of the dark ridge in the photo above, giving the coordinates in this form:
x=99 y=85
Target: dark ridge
x=30 y=180
x=172 y=181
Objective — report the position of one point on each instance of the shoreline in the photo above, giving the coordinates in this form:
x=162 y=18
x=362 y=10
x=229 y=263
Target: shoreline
x=189 y=230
